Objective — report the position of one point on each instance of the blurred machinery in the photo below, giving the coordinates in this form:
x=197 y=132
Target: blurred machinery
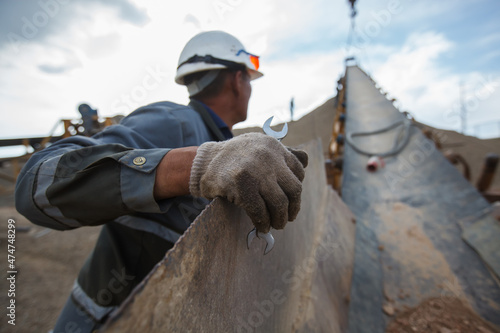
x=89 y=124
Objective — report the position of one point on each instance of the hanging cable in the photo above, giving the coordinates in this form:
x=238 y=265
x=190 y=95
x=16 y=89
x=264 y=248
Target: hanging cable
x=399 y=145
x=352 y=28
x=351 y=40
x=376 y=160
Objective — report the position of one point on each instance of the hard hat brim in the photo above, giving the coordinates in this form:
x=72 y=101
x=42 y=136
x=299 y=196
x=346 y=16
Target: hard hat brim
x=187 y=69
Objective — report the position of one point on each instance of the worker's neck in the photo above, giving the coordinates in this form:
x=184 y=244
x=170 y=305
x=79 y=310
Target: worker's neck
x=224 y=109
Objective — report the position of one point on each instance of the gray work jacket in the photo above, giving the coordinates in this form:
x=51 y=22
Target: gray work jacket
x=108 y=180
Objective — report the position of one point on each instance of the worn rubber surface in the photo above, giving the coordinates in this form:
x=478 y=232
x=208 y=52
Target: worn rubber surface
x=211 y=282
x=412 y=218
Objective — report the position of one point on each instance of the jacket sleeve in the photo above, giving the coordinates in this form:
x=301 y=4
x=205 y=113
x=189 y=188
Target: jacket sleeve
x=82 y=181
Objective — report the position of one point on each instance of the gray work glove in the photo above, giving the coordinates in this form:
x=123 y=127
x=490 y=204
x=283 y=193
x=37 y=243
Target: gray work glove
x=255 y=172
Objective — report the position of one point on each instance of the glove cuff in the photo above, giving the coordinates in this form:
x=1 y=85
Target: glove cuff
x=203 y=157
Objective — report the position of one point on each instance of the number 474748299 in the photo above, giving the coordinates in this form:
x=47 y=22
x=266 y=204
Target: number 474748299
x=11 y=238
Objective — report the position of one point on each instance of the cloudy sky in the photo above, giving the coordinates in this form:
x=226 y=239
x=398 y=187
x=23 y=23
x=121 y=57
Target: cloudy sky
x=119 y=55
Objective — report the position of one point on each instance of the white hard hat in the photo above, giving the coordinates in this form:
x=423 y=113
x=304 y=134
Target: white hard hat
x=214 y=50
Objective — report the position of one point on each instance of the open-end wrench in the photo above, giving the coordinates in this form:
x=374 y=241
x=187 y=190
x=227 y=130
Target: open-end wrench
x=268 y=237
x=269 y=131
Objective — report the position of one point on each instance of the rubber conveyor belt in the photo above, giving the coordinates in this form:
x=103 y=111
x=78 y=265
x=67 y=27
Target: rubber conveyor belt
x=422 y=230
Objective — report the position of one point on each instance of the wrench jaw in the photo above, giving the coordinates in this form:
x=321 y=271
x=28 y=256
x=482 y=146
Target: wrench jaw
x=269 y=242
x=251 y=235
x=268 y=237
x=269 y=131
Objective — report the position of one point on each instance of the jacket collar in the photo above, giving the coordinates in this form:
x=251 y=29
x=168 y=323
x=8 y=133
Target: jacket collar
x=207 y=119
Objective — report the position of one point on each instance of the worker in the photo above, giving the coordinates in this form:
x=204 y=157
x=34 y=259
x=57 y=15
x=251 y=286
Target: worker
x=146 y=179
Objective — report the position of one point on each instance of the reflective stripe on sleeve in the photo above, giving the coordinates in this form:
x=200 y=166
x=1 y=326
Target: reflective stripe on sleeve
x=142 y=224
x=45 y=178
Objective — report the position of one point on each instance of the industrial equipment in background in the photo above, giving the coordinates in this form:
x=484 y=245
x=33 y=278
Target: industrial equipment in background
x=89 y=124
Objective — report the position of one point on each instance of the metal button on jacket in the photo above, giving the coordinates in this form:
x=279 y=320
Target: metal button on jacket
x=139 y=160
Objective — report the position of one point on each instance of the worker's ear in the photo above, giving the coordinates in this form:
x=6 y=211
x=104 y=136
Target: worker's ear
x=237 y=82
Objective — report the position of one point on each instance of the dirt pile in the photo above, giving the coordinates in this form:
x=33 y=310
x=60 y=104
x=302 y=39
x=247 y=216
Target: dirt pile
x=440 y=315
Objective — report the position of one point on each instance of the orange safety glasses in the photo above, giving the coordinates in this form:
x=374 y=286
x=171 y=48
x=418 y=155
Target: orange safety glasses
x=253 y=58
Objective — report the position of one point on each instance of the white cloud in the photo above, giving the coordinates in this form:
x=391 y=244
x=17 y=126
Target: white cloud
x=302 y=78
x=413 y=76
x=108 y=63
x=117 y=64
